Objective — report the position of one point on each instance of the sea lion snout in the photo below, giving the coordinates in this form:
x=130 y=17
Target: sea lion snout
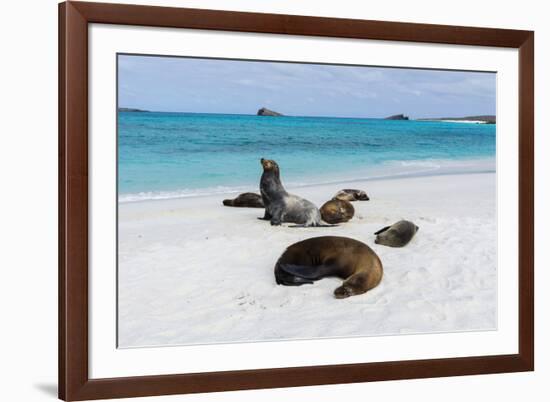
x=268 y=164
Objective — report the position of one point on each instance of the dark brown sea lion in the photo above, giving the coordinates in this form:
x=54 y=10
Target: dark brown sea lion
x=318 y=257
x=337 y=211
x=396 y=235
x=281 y=206
x=245 y=200
x=349 y=194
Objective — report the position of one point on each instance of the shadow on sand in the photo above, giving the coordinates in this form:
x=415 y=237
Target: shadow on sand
x=48 y=389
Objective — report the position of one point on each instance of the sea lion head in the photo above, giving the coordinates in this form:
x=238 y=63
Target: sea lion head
x=269 y=165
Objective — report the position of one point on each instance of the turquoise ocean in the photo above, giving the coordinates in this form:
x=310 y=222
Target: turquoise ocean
x=172 y=155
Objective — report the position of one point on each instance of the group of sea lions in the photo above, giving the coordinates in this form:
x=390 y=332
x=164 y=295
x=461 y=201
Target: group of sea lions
x=318 y=257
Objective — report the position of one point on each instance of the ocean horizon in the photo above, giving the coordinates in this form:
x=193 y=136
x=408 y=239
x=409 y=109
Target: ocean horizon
x=164 y=155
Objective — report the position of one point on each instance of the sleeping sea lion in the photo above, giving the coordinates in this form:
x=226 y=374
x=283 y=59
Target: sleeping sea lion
x=349 y=194
x=396 y=235
x=318 y=257
x=248 y=200
x=281 y=206
x=337 y=211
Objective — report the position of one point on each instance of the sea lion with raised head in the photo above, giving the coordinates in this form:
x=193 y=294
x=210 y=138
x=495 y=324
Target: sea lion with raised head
x=337 y=211
x=397 y=235
x=319 y=257
x=245 y=200
x=281 y=206
x=350 y=194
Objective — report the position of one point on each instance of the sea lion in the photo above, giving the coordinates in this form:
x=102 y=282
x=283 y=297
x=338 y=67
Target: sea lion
x=318 y=257
x=337 y=211
x=249 y=200
x=281 y=206
x=396 y=235
x=349 y=194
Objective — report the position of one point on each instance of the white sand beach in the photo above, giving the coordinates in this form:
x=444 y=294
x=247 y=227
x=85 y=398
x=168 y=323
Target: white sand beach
x=465 y=121
x=192 y=271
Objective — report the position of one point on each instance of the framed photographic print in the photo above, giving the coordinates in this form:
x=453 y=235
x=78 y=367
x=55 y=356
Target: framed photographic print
x=259 y=200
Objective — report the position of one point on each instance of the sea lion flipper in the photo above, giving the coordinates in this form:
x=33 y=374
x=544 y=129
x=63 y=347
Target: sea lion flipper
x=313 y=272
x=266 y=217
x=382 y=230
x=356 y=284
x=293 y=281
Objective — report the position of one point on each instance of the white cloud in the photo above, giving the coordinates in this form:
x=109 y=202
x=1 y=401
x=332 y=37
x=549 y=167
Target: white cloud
x=301 y=89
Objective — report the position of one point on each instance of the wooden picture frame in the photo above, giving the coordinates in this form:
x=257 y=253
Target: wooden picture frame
x=74 y=381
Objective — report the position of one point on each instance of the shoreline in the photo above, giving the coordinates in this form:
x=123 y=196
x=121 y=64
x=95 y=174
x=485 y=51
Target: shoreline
x=456 y=121
x=192 y=271
x=139 y=110
x=481 y=165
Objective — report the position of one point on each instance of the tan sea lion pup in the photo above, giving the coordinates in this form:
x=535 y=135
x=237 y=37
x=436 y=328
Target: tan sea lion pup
x=350 y=194
x=245 y=200
x=397 y=235
x=337 y=211
x=318 y=257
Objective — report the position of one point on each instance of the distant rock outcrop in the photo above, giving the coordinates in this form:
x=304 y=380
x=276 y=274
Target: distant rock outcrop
x=397 y=117
x=266 y=112
x=130 y=109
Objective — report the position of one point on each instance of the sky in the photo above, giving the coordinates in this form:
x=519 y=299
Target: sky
x=178 y=84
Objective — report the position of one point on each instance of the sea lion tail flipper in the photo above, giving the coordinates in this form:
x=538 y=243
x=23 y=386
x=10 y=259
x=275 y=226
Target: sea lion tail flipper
x=382 y=230
x=228 y=203
x=312 y=272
